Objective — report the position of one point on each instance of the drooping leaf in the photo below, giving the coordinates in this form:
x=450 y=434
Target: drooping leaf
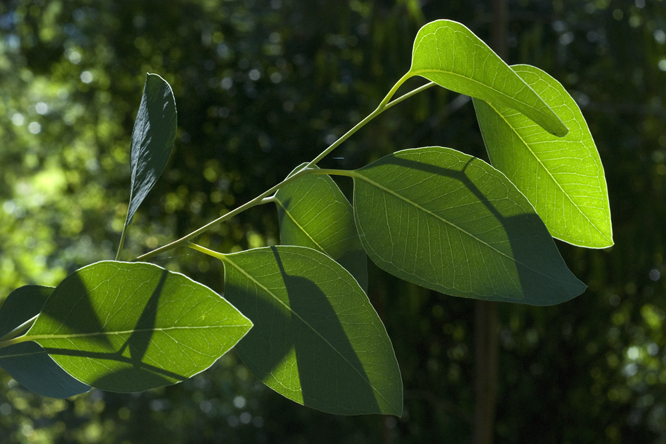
x=317 y=339
x=128 y=327
x=563 y=178
x=450 y=55
x=314 y=213
x=452 y=223
x=28 y=363
x=152 y=139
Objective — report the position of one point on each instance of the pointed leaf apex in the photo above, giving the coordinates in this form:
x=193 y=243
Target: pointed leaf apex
x=153 y=138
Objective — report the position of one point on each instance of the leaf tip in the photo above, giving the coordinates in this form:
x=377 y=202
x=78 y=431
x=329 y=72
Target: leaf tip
x=561 y=131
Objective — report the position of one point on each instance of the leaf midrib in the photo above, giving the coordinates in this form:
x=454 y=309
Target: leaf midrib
x=274 y=296
x=125 y=332
x=288 y=213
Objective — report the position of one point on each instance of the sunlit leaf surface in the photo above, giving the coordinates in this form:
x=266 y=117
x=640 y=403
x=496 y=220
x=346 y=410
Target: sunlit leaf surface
x=562 y=177
x=28 y=363
x=317 y=339
x=128 y=327
x=450 y=55
x=314 y=213
x=452 y=223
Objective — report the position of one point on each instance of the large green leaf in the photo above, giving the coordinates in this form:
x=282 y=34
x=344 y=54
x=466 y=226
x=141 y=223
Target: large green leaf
x=28 y=363
x=314 y=213
x=452 y=223
x=450 y=55
x=128 y=327
x=152 y=139
x=562 y=177
x=317 y=339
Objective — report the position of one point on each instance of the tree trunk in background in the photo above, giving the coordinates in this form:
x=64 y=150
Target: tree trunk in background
x=487 y=323
x=485 y=386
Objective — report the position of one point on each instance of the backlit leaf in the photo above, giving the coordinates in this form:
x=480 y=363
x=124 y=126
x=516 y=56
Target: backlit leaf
x=28 y=363
x=317 y=339
x=128 y=327
x=314 y=213
x=451 y=222
x=152 y=139
x=450 y=55
x=562 y=177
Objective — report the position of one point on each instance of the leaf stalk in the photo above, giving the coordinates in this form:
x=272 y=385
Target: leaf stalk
x=122 y=242
x=12 y=337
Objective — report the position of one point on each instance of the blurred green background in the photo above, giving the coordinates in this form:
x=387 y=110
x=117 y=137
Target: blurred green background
x=262 y=85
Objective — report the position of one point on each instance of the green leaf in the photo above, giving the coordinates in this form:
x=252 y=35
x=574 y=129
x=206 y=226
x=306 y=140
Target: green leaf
x=452 y=223
x=21 y=305
x=152 y=139
x=28 y=363
x=129 y=327
x=562 y=177
x=450 y=55
x=317 y=339
x=314 y=213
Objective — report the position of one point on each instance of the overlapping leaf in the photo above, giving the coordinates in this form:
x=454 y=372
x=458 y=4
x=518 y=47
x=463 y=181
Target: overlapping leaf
x=317 y=339
x=28 y=363
x=152 y=139
x=562 y=177
x=450 y=55
x=452 y=223
x=129 y=327
x=314 y=213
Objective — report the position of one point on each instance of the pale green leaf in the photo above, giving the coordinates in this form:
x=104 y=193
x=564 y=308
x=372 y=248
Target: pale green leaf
x=452 y=223
x=152 y=139
x=317 y=339
x=450 y=55
x=28 y=363
x=128 y=327
x=562 y=177
x=314 y=213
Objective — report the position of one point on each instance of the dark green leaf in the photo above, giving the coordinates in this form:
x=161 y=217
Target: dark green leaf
x=452 y=223
x=27 y=363
x=129 y=327
x=22 y=304
x=314 y=213
x=450 y=55
x=562 y=177
x=317 y=339
x=152 y=139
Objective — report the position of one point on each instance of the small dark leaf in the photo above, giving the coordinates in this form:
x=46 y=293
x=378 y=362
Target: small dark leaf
x=28 y=363
x=22 y=304
x=152 y=139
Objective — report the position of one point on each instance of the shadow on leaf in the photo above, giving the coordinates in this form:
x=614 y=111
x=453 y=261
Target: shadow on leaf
x=107 y=362
x=330 y=370
x=542 y=275
x=302 y=352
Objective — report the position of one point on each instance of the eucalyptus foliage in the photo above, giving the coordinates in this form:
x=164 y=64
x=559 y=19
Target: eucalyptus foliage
x=298 y=312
